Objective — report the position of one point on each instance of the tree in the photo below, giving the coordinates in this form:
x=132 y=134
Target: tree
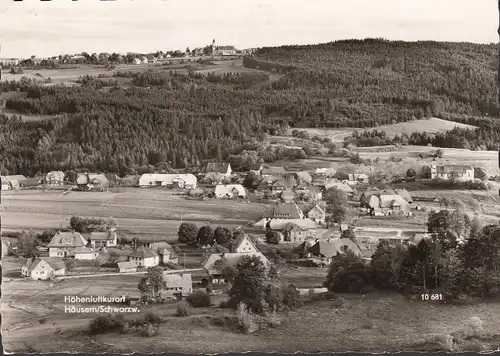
x=386 y=264
x=456 y=221
x=152 y=282
x=248 y=286
x=27 y=244
x=274 y=297
x=291 y=297
x=272 y=237
x=347 y=273
x=222 y=235
x=349 y=234
x=46 y=236
x=439 y=153
x=114 y=257
x=98 y=261
x=229 y=273
x=205 y=236
x=187 y=233
x=411 y=173
x=480 y=173
x=70 y=264
x=199 y=299
x=337 y=204
x=250 y=180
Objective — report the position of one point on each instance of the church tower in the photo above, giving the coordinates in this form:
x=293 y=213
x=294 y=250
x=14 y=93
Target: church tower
x=213 y=48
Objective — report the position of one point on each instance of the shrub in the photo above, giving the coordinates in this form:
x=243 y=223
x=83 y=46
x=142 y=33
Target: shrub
x=148 y=330
x=476 y=325
x=199 y=299
x=103 y=324
x=125 y=327
x=152 y=318
x=246 y=320
x=183 y=309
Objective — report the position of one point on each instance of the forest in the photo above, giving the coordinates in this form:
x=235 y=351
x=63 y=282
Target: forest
x=181 y=120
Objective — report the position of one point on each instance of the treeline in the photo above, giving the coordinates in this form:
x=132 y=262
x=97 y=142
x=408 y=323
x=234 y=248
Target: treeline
x=460 y=260
x=376 y=81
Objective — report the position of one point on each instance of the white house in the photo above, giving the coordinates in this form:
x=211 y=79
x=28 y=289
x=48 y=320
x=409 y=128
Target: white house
x=137 y=61
x=54 y=178
x=145 y=257
x=221 y=168
x=230 y=191
x=125 y=267
x=92 y=181
x=64 y=242
x=447 y=172
x=83 y=253
x=43 y=268
x=165 y=251
x=104 y=239
x=278 y=215
x=5 y=183
x=183 y=181
x=178 y=284
x=144 y=60
x=14 y=181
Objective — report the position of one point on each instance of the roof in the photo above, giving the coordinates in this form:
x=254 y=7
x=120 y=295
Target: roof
x=333 y=247
x=55 y=175
x=318 y=208
x=112 y=177
x=30 y=182
x=283 y=211
x=167 y=179
x=221 y=189
x=305 y=176
x=67 y=239
x=143 y=252
x=241 y=239
x=54 y=262
x=356 y=176
x=91 y=178
x=107 y=235
x=232 y=259
x=81 y=250
x=405 y=194
x=128 y=264
x=387 y=201
x=178 y=280
x=287 y=195
x=273 y=170
x=333 y=183
x=163 y=248
x=322 y=234
x=460 y=169
x=226 y=48
x=15 y=177
x=293 y=226
x=217 y=167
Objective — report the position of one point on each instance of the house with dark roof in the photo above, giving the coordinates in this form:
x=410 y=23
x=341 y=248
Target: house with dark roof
x=326 y=250
x=30 y=183
x=179 y=285
x=222 y=168
x=302 y=176
x=43 y=268
x=271 y=171
x=165 y=252
x=295 y=233
x=100 y=239
x=452 y=172
x=64 y=242
x=145 y=257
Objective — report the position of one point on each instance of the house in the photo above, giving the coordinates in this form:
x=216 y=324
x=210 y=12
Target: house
x=229 y=191
x=182 y=181
x=83 y=253
x=103 y=239
x=14 y=181
x=295 y=233
x=137 y=61
x=461 y=173
x=178 y=284
x=387 y=204
x=357 y=178
x=64 y=242
x=328 y=172
x=127 y=267
x=91 y=181
x=165 y=252
x=112 y=178
x=228 y=259
x=145 y=257
x=43 y=268
x=333 y=183
x=144 y=60
x=302 y=176
x=5 y=183
x=244 y=244
x=326 y=250
x=218 y=167
x=405 y=194
x=278 y=215
x=270 y=171
x=6 y=247
x=30 y=183
x=225 y=51
x=317 y=214
x=256 y=168
x=55 y=178
x=279 y=186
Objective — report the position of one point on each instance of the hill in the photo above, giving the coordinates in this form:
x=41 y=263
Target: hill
x=139 y=121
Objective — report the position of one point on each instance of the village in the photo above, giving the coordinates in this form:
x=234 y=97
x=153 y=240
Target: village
x=307 y=214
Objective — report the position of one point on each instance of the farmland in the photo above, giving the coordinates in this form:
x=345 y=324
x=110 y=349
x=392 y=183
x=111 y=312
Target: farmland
x=140 y=213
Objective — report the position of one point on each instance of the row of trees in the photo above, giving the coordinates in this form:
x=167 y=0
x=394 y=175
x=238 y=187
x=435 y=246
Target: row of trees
x=461 y=258
x=206 y=235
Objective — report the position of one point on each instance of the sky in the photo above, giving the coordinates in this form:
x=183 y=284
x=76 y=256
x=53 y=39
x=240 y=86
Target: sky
x=32 y=27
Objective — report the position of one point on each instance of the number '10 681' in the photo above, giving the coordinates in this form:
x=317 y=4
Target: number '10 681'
x=432 y=297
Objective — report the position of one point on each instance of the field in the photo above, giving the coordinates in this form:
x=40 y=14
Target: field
x=143 y=213
x=33 y=319
x=431 y=126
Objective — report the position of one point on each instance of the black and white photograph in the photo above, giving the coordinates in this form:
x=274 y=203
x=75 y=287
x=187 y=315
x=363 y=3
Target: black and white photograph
x=231 y=176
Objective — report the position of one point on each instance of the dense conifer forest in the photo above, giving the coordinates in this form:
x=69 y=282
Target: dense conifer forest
x=178 y=120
